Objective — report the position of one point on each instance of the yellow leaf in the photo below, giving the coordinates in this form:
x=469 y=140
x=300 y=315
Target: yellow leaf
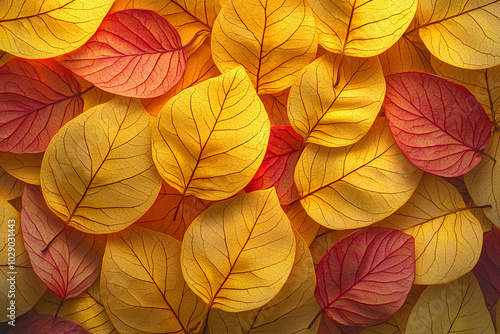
x=455 y=307
x=388 y=327
x=24 y=167
x=48 y=28
x=237 y=254
x=336 y=115
x=357 y=185
x=91 y=95
x=275 y=105
x=210 y=139
x=290 y=311
x=27 y=287
x=303 y=224
x=5 y=57
x=462 y=33
x=97 y=173
x=402 y=315
x=361 y=28
x=142 y=288
x=10 y=187
x=448 y=238
x=273 y=40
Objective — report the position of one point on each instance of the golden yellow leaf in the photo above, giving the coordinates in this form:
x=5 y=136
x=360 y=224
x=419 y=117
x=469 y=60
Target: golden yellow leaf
x=361 y=28
x=357 y=185
x=275 y=105
x=237 y=254
x=97 y=173
x=10 y=187
x=448 y=238
x=290 y=311
x=24 y=167
x=5 y=57
x=210 y=139
x=462 y=33
x=336 y=115
x=303 y=224
x=455 y=307
x=48 y=28
x=402 y=315
x=142 y=288
x=27 y=287
x=273 y=40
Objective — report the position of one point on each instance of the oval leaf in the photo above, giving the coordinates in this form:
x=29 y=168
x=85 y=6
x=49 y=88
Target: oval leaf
x=209 y=140
x=365 y=278
x=357 y=185
x=439 y=125
x=134 y=53
x=249 y=256
x=79 y=175
x=32 y=323
x=24 y=167
x=272 y=40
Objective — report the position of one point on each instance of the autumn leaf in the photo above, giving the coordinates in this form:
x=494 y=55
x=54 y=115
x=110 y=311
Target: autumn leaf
x=10 y=187
x=487 y=269
x=5 y=57
x=24 y=167
x=32 y=323
x=305 y=226
x=275 y=105
x=402 y=315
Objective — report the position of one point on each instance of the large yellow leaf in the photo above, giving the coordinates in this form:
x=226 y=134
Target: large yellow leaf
x=356 y=185
x=237 y=254
x=290 y=311
x=448 y=238
x=455 y=307
x=142 y=288
x=97 y=173
x=361 y=28
x=336 y=115
x=462 y=33
x=210 y=139
x=25 y=167
x=273 y=40
x=48 y=28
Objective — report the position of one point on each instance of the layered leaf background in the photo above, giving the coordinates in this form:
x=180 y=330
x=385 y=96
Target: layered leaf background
x=262 y=166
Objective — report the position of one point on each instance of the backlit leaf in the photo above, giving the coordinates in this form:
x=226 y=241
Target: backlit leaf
x=24 y=167
x=365 y=278
x=487 y=269
x=454 y=307
x=210 y=139
x=48 y=28
x=36 y=99
x=357 y=185
x=303 y=224
x=10 y=187
x=361 y=28
x=32 y=323
x=462 y=33
x=97 y=174
x=275 y=105
x=142 y=286
x=335 y=114
x=273 y=40
x=439 y=125
x=237 y=255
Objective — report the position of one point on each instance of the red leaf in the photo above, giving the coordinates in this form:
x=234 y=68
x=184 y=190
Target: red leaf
x=439 y=125
x=278 y=166
x=487 y=269
x=33 y=323
x=72 y=262
x=37 y=97
x=365 y=278
x=134 y=53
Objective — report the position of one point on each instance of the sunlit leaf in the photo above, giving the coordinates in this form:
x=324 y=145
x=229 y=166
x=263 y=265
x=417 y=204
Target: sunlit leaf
x=24 y=167
x=272 y=40
x=97 y=173
x=48 y=28
x=237 y=254
x=32 y=323
x=357 y=185
x=303 y=224
x=487 y=269
x=210 y=139
x=10 y=187
x=275 y=105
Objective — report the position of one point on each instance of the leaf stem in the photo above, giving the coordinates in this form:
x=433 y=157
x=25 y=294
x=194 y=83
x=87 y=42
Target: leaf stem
x=315 y=318
x=59 y=308
x=54 y=238
x=489 y=156
x=337 y=80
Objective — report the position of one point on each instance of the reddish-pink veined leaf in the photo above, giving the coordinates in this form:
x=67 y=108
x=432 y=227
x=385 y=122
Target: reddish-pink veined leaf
x=134 y=53
x=439 y=125
x=37 y=97
x=278 y=166
x=72 y=262
x=487 y=269
x=365 y=277
x=33 y=323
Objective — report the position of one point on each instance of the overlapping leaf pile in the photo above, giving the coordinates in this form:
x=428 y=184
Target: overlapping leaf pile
x=251 y=166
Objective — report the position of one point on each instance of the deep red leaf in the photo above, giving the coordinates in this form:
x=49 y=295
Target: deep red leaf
x=278 y=166
x=487 y=269
x=72 y=262
x=134 y=52
x=37 y=97
x=439 y=125
x=33 y=323
x=365 y=277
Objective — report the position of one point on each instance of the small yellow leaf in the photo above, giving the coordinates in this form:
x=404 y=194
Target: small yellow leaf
x=142 y=288
x=273 y=40
x=210 y=139
x=336 y=115
x=48 y=28
x=24 y=167
x=97 y=174
x=10 y=187
x=455 y=307
x=357 y=185
x=303 y=224
x=361 y=28
x=462 y=33
x=237 y=254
